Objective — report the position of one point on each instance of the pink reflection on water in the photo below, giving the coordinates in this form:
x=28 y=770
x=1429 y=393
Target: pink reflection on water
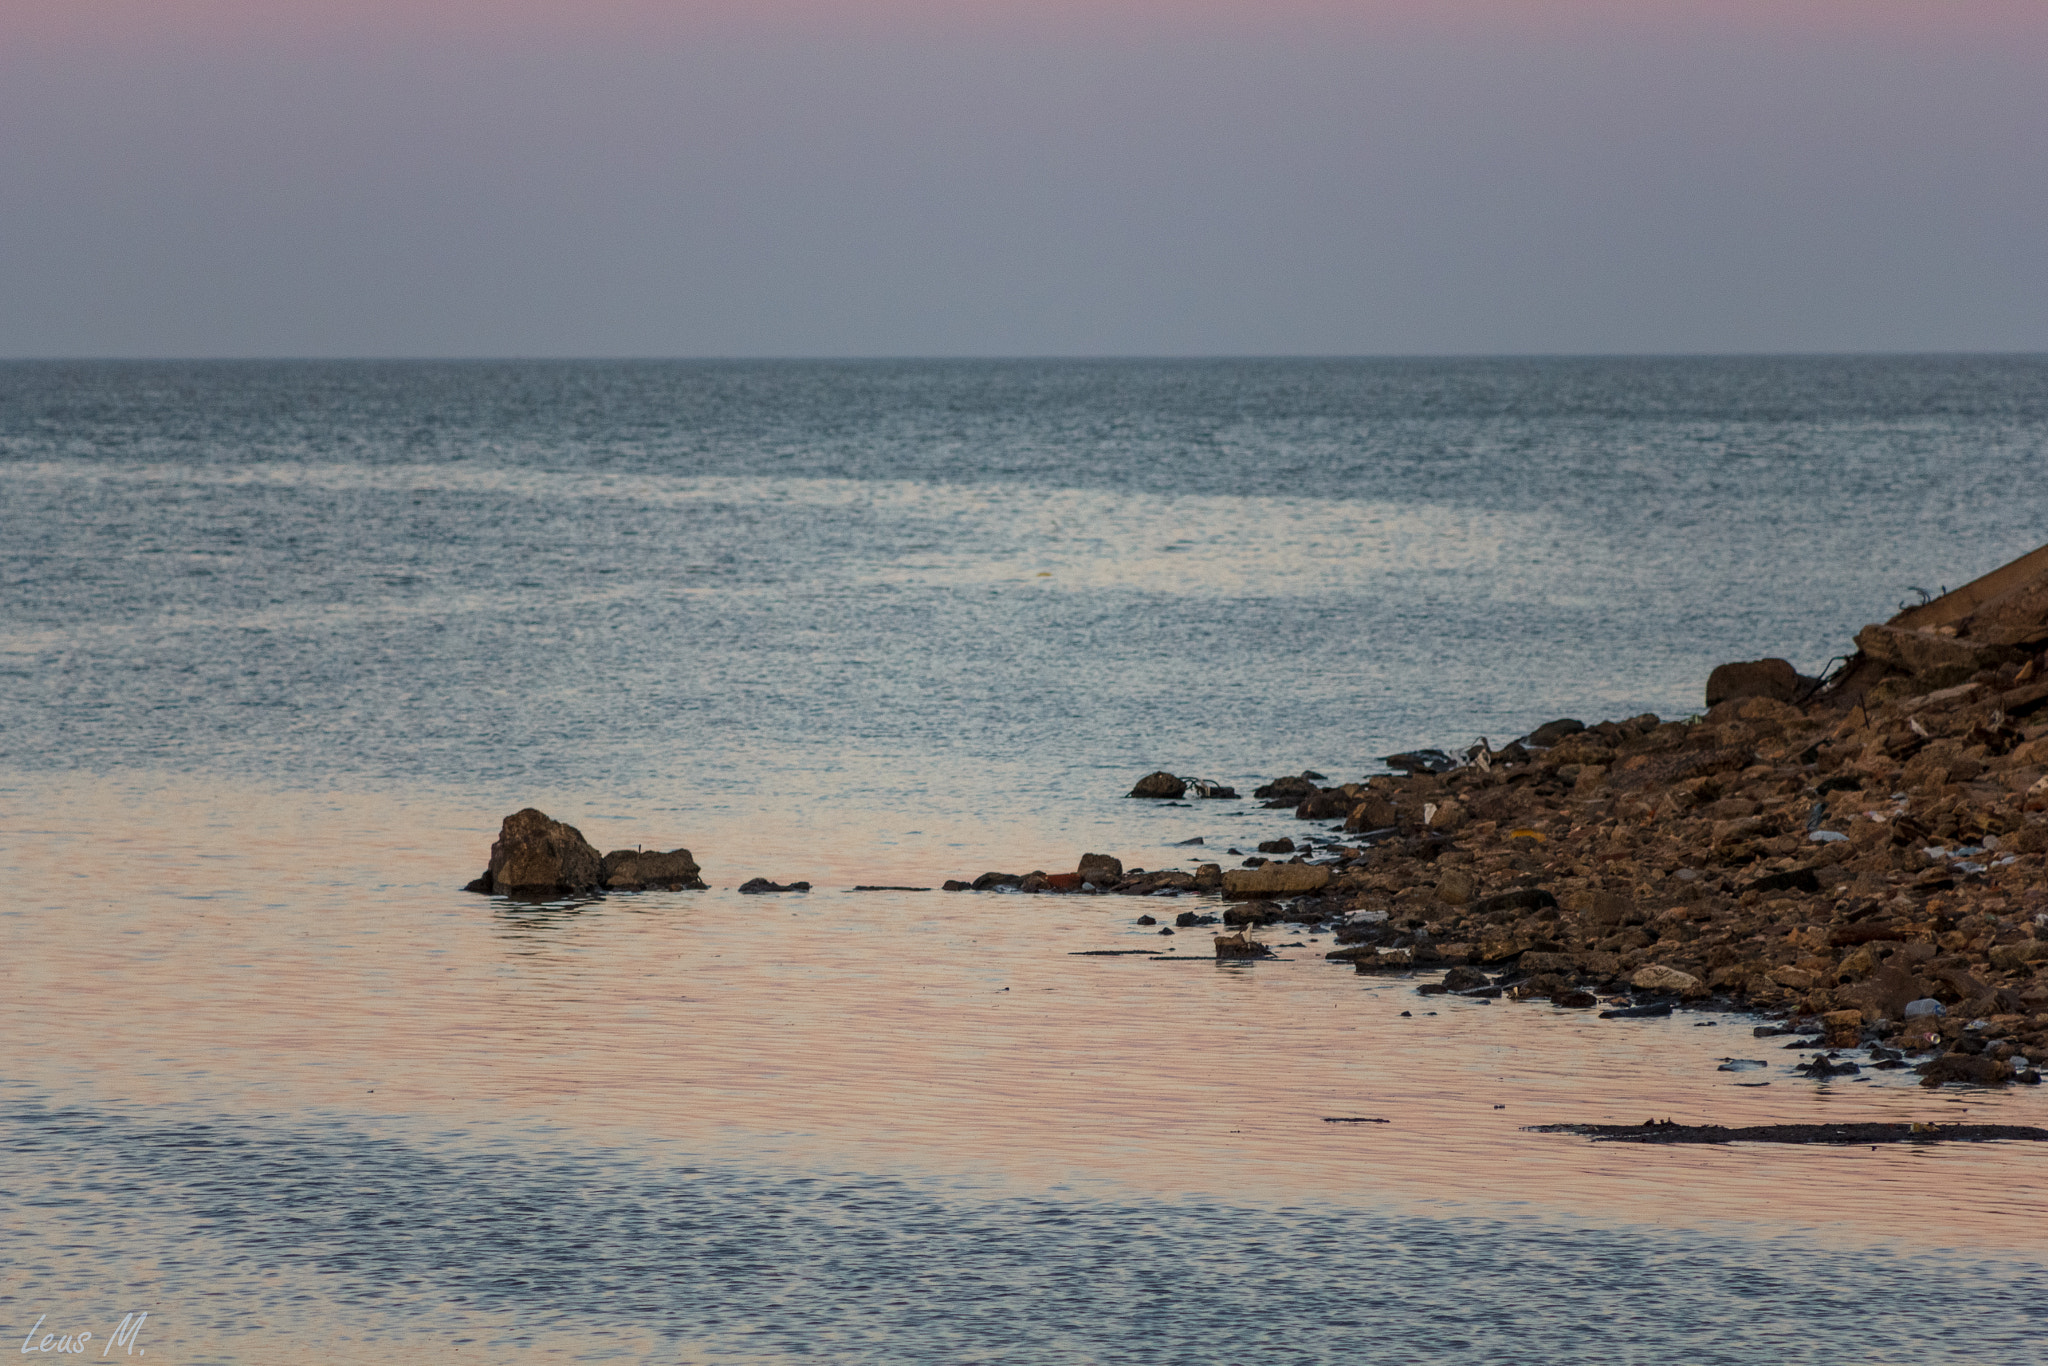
x=281 y=953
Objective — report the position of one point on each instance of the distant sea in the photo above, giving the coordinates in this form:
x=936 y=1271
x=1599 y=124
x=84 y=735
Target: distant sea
x=281 y=642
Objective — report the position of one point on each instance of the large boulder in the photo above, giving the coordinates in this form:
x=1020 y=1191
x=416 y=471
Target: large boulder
x=1160 y=784
x=538 y=856
x=1275 y=879
x=1772 y=678
x=636 y=870
x=1101 y=869
x=1938 y=661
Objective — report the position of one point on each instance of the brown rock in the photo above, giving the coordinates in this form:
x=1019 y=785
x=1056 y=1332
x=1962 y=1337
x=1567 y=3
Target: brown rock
x=636 y=870
x=1842 y=1028
x=1101 y=869
x=1371 y=812
x=1275 y=879
x=1935 y=660
x=1963 y=1067
x=1657 y=977
x=1159 y=785
x=1883 y=994
x=538 y=856
x=1772 y=678
x=2021 y=956
x=1240 y=945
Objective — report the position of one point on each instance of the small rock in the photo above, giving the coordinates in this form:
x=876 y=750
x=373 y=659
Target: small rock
x=759 y=885
x=1963 y=1067
x=1772 y=678
x=1827 y=1067
x=1240 y=945
x=1275 y=879
x=1101 y=869
x=1159 y=785
x=1549 y=733
x=1637 y=1012
x=1657 y=977
x=1283 y=845
x=1421 y=761
x=1575 y=1000
x=1842 y=1028
x=1147 y=920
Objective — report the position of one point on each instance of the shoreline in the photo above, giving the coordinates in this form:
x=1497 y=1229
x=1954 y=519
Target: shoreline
x=1865 y=856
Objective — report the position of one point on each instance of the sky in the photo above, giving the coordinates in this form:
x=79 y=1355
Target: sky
x=1021 y=177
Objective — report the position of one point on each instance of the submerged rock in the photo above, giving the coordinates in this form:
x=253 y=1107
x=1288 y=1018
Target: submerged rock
x=759 y=885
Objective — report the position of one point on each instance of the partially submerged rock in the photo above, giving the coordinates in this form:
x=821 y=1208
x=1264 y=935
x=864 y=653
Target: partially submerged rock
x=1100 y=870
x=537 y=857
x=637 y=870
x=1664 y=1131
x=758 y=886
x=1240 y=945
x=1160 y=785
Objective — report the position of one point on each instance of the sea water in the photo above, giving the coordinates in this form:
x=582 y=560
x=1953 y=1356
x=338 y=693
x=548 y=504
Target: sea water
x=281 y=643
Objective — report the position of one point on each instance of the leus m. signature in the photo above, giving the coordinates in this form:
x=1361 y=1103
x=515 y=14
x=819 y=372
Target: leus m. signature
x=124 y=1337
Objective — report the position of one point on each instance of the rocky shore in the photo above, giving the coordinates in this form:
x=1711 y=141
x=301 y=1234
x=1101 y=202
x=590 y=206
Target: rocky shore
x=1862 y=855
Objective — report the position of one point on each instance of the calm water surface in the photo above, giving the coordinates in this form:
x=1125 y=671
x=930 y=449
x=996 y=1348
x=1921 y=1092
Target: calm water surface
x=282 y=643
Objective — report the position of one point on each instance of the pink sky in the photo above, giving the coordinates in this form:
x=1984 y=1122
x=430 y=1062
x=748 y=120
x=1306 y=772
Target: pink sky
x=229 y=21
